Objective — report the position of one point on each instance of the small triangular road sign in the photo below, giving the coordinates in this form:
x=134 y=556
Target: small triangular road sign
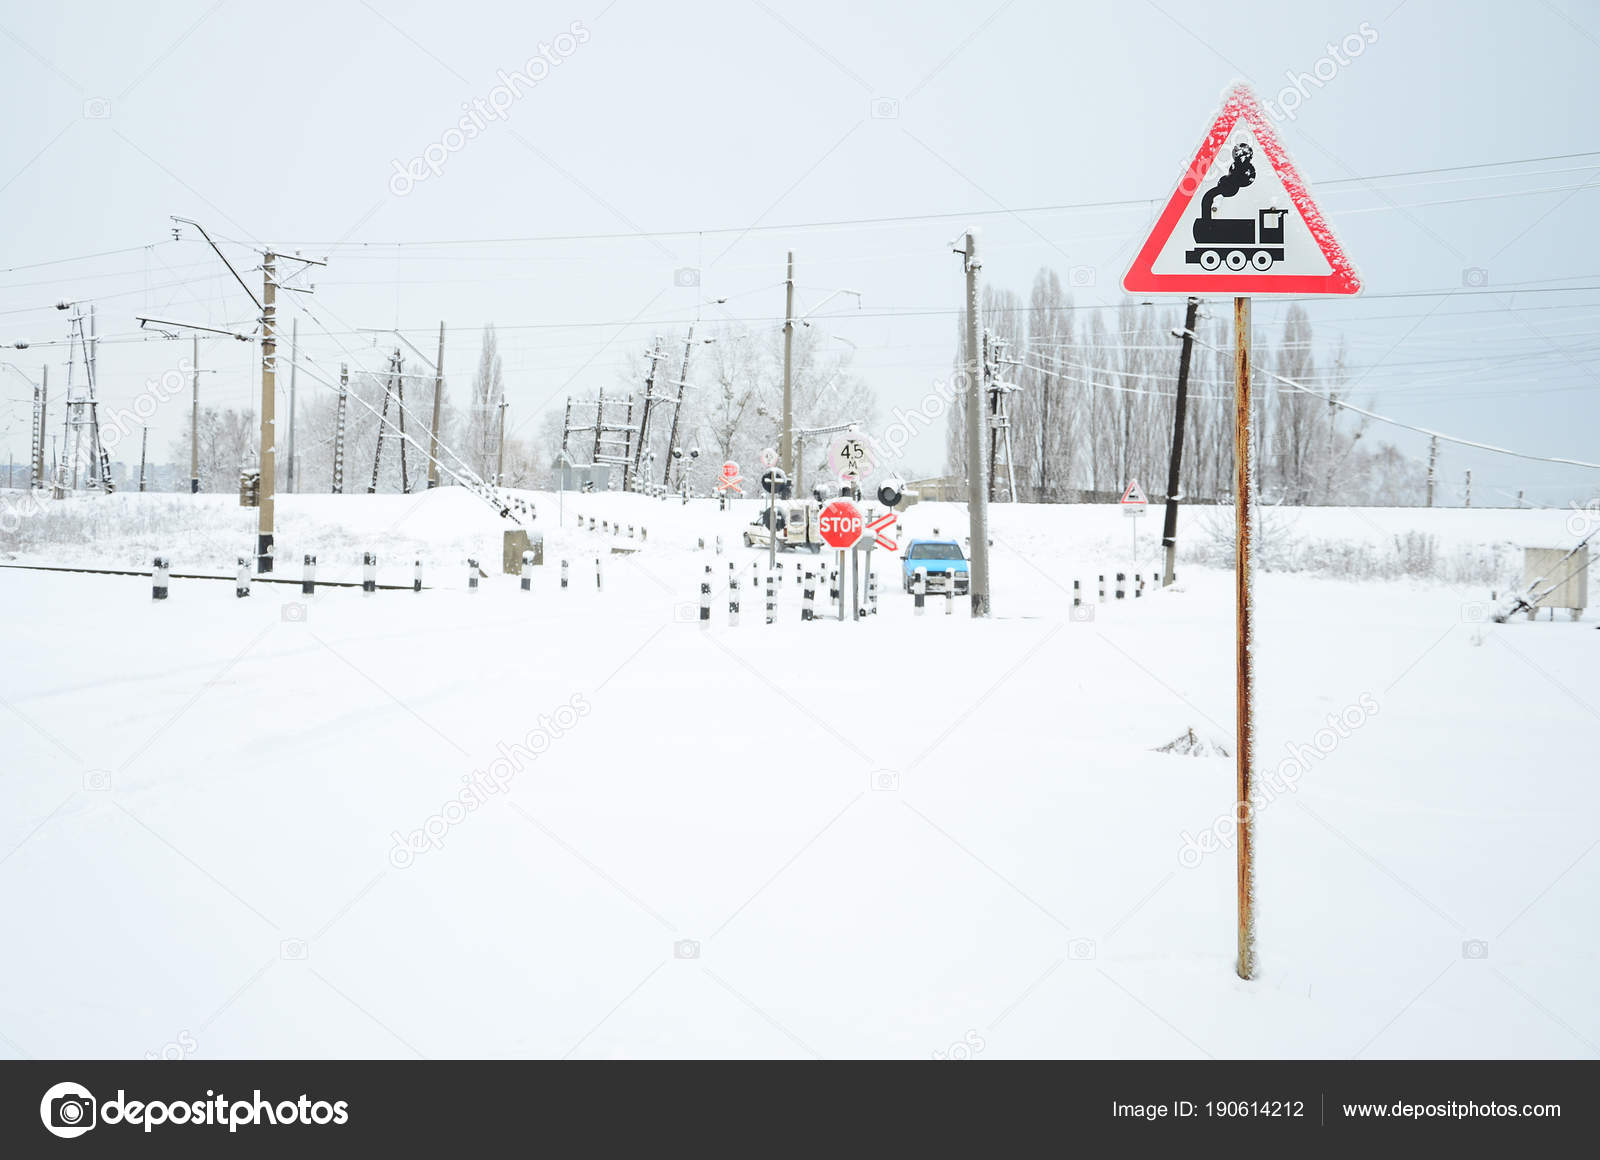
x=1241 y=221
x=1134 y=494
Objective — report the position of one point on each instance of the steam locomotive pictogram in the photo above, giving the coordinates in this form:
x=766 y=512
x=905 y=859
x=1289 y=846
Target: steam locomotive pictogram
x=1238 y=242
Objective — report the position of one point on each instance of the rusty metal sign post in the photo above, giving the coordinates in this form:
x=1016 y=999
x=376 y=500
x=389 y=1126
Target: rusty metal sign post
x=1271 y=239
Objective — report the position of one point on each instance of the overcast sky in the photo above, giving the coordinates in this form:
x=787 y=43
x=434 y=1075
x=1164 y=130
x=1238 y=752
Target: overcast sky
x=706 y=125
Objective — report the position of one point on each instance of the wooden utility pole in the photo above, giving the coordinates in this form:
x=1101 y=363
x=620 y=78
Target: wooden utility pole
x=194 y=418
x=269 y=400
x=786 y=445
x=144 y=454
x=438 y=395
x=1169 y=527
x=977 y=491
x=294 y=358
x=677 y=407
x=1469 y=487
x=338 y=429
x=1244 y=487
x=1433 y=460
x=500 y=457
x=649 y=402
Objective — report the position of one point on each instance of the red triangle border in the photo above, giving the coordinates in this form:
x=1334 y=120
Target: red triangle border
x=1141 y=278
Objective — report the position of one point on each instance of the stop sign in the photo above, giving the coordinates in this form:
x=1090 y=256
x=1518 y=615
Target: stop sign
x=840 y=524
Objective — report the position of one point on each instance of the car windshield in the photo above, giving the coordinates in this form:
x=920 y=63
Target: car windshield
x=936 y=552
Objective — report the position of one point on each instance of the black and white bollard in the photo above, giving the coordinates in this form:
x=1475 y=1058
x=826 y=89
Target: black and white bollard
x=527 y=571
x=416 y=576
x=919 y=589
x=1138 y=585
x=733 y=600
x=1102 y=588
x=369 y=572
x=563 y=573
x=597 y=584
x=472 y=574
x=591 y=523
x=241 y=584
x=605 y=525
x=872 y=594
x=772 y=600
x=809 y=598
x=308 y=577
x=705 y=598
x=719 y=545
x=701 y=544
x=630 y=531
x=644 y=533
x=1077 y=594
x=1121 y=578
x=159 y=579
x=950 y=599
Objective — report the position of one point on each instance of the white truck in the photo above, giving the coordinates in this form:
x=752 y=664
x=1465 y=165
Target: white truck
x=796 y=527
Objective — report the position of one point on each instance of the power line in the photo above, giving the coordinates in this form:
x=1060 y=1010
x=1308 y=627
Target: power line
x=1408 y=426
x=902 y=218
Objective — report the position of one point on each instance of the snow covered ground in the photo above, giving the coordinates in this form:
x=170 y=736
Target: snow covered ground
x=241 y=827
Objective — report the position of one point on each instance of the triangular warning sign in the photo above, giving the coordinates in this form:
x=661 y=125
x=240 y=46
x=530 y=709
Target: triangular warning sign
x=1134 y=494
x=1241 y=222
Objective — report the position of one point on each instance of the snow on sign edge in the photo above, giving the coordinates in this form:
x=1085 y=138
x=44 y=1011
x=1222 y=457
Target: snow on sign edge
x=1240 y=101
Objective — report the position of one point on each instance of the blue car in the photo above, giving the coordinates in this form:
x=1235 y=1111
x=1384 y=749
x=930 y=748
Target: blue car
x=944 y=562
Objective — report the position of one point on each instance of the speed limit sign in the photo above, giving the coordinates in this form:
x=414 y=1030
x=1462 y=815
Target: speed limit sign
x=850 y=457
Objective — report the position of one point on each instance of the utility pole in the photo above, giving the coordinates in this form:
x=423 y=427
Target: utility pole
x=1169 y=528
x=677 y=407
x=294 y=358
x=500 y=460
x=144 y=454
x=194 y=419
x=38 y=450
x=438 y=395
x=100 y=469
x=977 y=493
x=400 y=408
x=649 y=401
x=785 y=444
x=1469 y=487
x=993 y=391
x=269 y=403
x=1433 y=459
x=338 y=429
x=383 y=421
